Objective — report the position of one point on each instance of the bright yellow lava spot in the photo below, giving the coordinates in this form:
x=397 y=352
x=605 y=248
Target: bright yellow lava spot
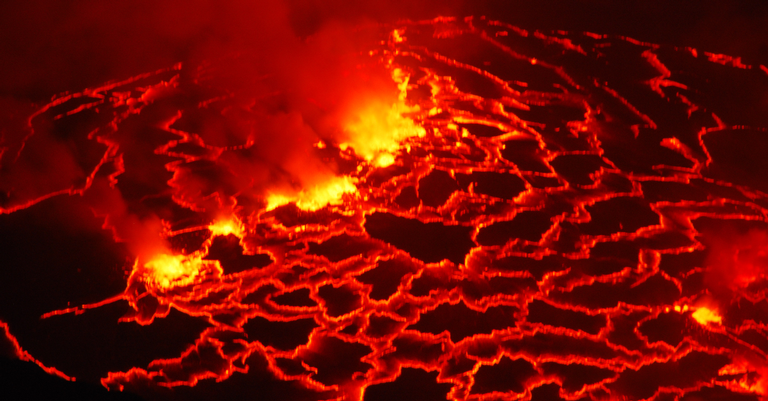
x=166 y=271
x=397 y=35
x=316 y=197
x=276 y=200
x=705 y=316
x=226 y=227
x=378 y=128
x=384 y=160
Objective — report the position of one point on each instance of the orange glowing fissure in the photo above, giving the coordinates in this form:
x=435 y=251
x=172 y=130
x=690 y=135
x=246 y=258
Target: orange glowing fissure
x=507 y=226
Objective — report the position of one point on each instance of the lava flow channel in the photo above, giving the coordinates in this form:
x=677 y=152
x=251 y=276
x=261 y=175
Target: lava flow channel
x=497 y=214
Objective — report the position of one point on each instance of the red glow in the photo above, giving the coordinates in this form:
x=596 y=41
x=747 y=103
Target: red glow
x=488 y=212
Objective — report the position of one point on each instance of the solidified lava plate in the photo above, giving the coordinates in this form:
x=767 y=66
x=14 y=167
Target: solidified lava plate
x=516 y=215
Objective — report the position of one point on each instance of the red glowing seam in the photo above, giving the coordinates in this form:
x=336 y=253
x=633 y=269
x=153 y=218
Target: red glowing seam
x=26 y=356
x=683 y=149
x=530 y=385
x=69 y=191
x=97 y=91
x=107 y=157
x=114 y=379
x=565 y=43
x=205 y=103
x=625 y=102
x=622 y=360
x=520 y=31
x=594 y=35
x=109 y=153
x=308 y=380
x=749 y=193
x=662 y=80
x=20 y=353
x=81 y=108
x=227 y=368
x=204 y=340
x=77 y=310
x=726 y=60
x=691 y=106
x=558 y=70
x=452 y=62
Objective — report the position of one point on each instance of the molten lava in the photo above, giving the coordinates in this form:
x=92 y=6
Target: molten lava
x=706 y=316
x=376 y=131
x=511 y=215
x=166 y=271
x=226 y=227
x=316 y=197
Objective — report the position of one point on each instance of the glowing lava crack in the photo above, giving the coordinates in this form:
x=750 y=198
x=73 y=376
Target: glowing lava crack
x=516 y=215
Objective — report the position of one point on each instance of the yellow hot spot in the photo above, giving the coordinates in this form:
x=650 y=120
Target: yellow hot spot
x=385 y=160
x=166 y=271
x=397 y=35
x=329 y=192
x=704 y=316
x=276 y=200
x=226 y=227
x=380 y=129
